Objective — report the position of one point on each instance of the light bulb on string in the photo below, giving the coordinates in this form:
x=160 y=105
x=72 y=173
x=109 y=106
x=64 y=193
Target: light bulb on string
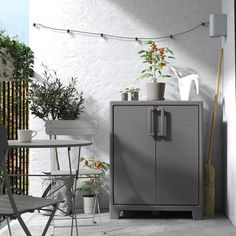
x=117 y=37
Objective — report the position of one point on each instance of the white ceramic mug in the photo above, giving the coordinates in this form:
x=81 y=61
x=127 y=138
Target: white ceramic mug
x=26 y=135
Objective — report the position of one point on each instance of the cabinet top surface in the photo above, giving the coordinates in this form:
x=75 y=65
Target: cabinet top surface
x=151 y=103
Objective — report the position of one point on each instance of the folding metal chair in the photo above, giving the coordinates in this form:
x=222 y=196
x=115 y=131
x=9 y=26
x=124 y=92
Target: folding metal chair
x=12 y=205
x=75 y=128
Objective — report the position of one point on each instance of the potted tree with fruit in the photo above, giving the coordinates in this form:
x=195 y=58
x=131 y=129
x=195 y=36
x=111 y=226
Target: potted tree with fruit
x=91 y=186
x=156 y=60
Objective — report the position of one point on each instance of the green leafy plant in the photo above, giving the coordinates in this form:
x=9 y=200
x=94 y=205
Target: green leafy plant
x=126 y=90
x=51 y=99
x=156 y=59
x=17 y=57
x=130 y=90
x=134 y=90
x=91 y=186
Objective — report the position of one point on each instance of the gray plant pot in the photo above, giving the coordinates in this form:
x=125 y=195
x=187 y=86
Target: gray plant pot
x=124 y=96
x=134 y=96
x=155 y=91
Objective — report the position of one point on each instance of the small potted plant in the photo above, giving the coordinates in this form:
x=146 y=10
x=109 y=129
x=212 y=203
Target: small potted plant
x=134 y=93
x=90 y=186
x=125 y=94
x=156 y=59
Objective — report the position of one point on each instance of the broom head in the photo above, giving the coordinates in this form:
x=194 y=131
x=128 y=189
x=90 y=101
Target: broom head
x=209 y=190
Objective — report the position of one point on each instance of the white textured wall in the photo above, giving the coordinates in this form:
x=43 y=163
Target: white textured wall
x=104 y=67
x=229 y=115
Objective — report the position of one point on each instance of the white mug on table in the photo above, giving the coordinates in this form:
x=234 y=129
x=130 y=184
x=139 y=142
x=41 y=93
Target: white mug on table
x=26 y=135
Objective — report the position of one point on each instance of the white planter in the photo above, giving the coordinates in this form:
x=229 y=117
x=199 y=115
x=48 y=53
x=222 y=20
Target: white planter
x=155 y=91
x=88 y=204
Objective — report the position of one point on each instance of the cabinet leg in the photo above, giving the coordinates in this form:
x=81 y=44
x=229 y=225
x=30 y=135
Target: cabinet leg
x=114 y=213
x=197 y=214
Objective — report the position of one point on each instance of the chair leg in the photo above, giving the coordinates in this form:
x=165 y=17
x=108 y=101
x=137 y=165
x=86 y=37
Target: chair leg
x=49 y=220
x=23 y=225
x=94 y=209
x=99 y=211
x=53 y=227
x=99 y=214
x=76 y=224
x=9 y=228
x=74 y=217
x=72 y=225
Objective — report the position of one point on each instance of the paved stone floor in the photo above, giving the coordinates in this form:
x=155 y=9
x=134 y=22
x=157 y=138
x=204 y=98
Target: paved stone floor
x=141 y=224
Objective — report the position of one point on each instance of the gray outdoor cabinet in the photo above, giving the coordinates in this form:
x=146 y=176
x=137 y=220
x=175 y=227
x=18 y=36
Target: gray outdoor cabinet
x=156 y=157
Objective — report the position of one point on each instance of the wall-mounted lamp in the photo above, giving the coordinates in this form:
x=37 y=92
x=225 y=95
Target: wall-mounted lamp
x=217 y=25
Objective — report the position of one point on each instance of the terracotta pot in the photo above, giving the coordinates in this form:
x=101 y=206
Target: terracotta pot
x=155 y=91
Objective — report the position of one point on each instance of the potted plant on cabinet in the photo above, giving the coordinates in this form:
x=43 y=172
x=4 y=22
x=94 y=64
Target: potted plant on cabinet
x=134 y=93
x=125 y=94
x=156 y=60
x=91 y=186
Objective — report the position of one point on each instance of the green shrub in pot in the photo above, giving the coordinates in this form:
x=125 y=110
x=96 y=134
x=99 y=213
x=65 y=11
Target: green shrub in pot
x=51 y=99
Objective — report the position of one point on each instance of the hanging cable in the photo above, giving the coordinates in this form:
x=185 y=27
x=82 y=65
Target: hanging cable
x=112 y=36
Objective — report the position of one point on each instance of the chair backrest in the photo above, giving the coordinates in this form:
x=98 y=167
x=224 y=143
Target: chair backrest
x=3 y=144
x=71 y=127
x=3 y=157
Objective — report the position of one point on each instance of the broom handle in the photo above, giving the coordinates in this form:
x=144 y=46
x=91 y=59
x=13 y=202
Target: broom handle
x=213 y=120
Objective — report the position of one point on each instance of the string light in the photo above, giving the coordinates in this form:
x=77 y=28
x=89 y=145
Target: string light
x=117 y=37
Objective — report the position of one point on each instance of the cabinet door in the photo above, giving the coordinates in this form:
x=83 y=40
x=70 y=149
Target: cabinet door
x=133 y=156
x=177 y=156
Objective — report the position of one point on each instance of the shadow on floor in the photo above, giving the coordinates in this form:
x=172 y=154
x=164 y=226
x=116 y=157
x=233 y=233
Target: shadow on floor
x=156 y=215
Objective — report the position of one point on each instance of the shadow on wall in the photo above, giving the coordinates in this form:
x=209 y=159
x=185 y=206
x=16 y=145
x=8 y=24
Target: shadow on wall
x=191 y=47
x=176 y=17
x=142 y=10
x=92 y=108
x=101 y=141
x=224 y=166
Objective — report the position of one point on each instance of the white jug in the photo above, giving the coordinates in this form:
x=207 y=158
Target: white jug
x=186 y=83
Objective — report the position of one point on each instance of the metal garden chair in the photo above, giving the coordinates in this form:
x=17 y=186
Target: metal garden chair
x=13 y=206
x=76 y=128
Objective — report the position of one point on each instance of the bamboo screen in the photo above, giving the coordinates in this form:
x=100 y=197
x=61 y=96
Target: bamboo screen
x=15 y=115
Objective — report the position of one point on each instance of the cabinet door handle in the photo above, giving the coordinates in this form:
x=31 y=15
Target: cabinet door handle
x=151 y=122
x=162 y=125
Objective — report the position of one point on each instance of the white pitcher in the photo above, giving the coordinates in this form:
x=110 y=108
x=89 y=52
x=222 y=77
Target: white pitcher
x=186 y=85
x=186 y=79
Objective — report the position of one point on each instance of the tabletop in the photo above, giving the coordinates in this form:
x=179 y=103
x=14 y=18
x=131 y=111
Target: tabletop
x=48 y=143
